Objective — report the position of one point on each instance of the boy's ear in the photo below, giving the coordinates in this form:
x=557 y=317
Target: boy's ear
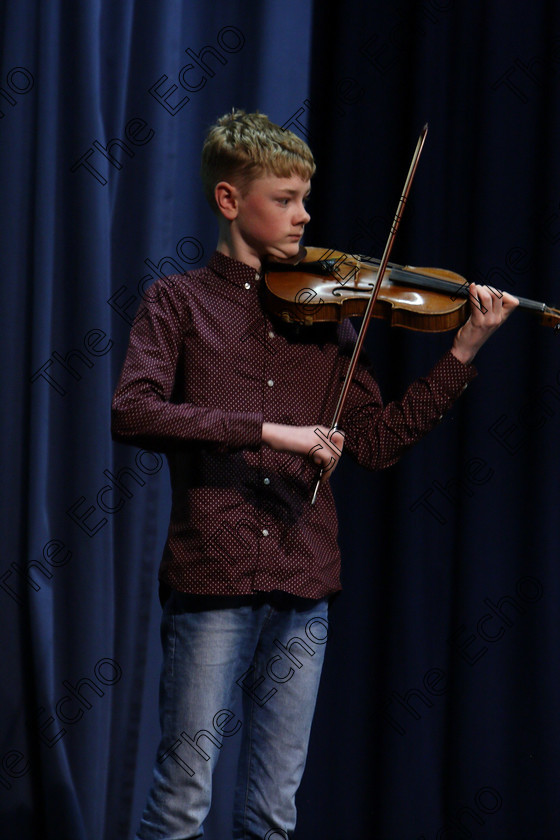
x=226 y=198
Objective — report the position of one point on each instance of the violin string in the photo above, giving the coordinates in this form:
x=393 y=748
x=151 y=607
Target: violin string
x=401 y=275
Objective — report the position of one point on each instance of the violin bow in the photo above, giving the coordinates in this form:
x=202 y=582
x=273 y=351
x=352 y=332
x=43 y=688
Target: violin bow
x=374 y=292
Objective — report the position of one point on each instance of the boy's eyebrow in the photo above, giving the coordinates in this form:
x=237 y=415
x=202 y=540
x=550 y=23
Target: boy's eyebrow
x=290 y=191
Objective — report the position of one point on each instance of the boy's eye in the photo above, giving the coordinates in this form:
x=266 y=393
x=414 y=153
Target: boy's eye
x=285 y=201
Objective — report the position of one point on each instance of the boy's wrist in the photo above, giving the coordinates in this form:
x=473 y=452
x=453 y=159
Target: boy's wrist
x=272 y=435
x=466 y=344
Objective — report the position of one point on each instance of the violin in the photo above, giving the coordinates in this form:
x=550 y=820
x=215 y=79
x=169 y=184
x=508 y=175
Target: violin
x=327 y=285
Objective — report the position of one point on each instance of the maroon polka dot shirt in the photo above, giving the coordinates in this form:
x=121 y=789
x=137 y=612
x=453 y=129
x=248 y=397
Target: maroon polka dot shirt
x=205 y=367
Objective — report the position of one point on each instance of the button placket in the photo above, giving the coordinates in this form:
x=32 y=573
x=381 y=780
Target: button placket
x=265 y=475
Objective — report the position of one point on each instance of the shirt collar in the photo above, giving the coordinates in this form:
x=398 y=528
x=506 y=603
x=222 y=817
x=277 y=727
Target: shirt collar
x=233 y=270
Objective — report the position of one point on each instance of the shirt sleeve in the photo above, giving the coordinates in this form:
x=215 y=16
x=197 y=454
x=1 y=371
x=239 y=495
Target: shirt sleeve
x=377 y=435
x=143 y=412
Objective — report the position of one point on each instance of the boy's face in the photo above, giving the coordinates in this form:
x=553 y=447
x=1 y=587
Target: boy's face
x=271 y=216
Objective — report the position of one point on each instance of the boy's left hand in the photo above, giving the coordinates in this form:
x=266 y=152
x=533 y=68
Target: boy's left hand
x=489 y=310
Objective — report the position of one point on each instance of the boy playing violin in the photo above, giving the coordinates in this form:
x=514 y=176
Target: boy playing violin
x=238 y=401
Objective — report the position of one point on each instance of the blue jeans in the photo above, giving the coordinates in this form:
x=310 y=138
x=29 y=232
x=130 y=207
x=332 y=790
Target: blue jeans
x=271 y=649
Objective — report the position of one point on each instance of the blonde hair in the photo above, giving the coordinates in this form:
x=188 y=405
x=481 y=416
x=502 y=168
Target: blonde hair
x=240 y=147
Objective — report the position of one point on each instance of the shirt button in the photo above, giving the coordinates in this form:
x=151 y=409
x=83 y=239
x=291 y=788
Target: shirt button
x=271 y=334
x=265 y=532
x=271 y=382
x=257 y=277
x=266 y=481
x=247 y=285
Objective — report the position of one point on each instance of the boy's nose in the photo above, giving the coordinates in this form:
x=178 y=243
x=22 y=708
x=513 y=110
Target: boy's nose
x=303 y=216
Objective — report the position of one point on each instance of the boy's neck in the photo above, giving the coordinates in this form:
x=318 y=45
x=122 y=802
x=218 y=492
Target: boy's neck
x=234 y=244
x=238 y=251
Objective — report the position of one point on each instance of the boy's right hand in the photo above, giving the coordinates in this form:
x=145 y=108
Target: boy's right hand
x=317 y=443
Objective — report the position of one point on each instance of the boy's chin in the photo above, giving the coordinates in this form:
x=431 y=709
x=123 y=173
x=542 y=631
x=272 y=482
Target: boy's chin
x=287 y=253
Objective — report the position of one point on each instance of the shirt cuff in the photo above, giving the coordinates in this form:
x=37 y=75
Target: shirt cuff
x=244 y=429
x=450 y=376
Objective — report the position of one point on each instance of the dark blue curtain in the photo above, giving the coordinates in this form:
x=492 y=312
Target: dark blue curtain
x=437 y=712
x=104 y=108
